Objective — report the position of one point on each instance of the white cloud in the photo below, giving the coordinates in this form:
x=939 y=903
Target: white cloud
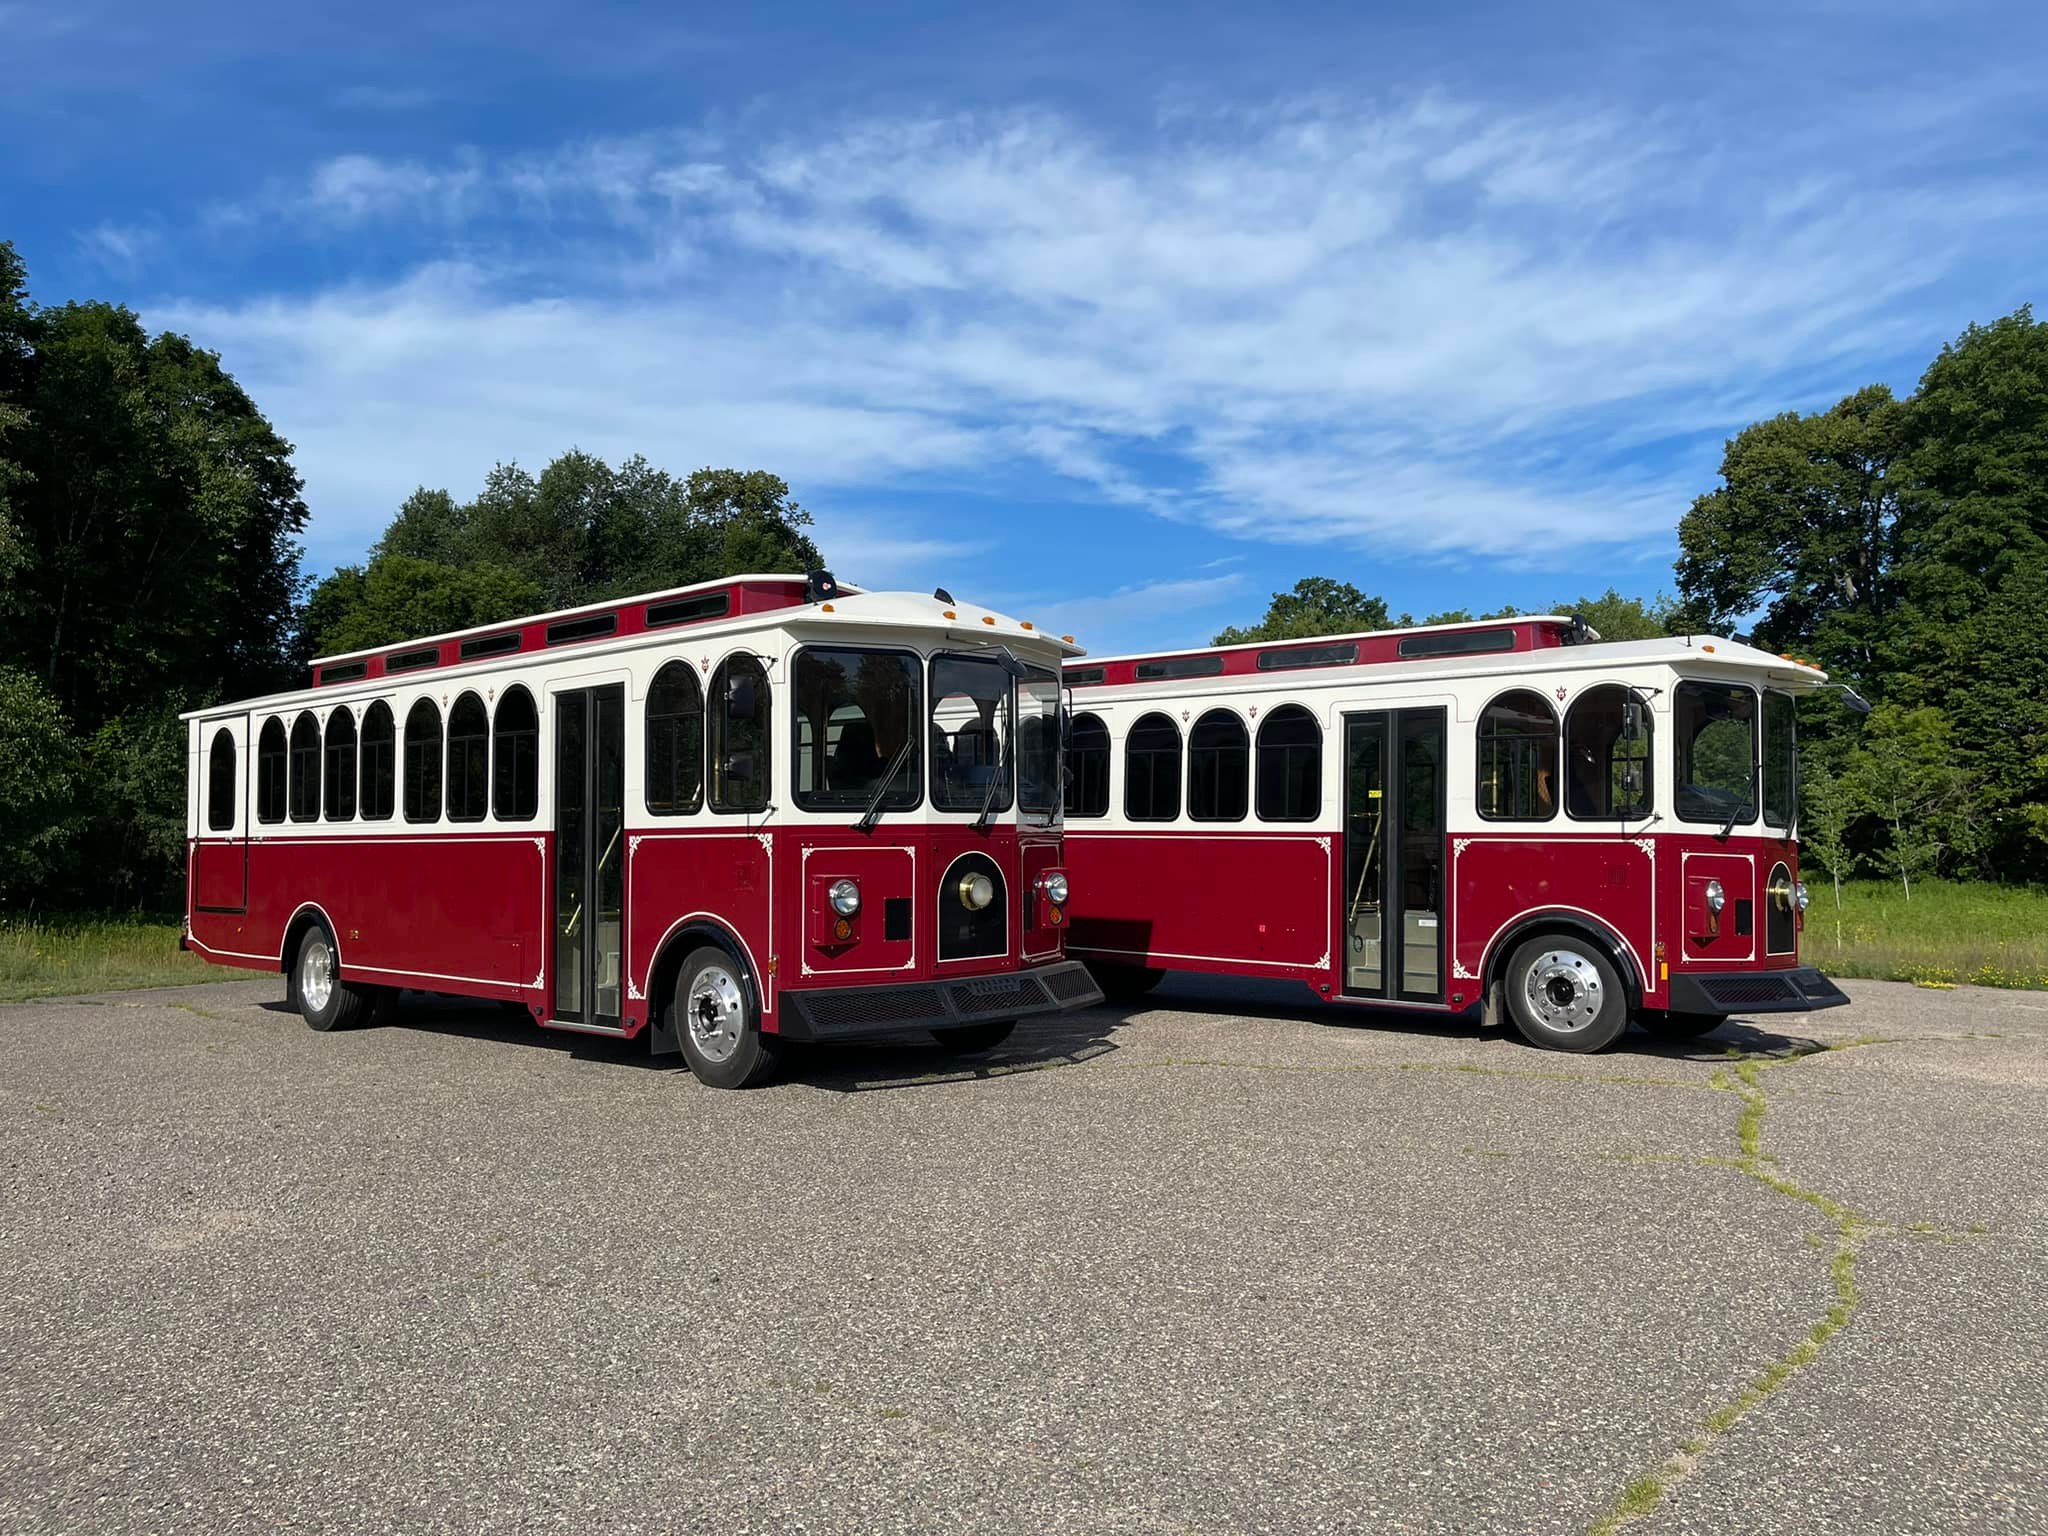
x=1428 y=330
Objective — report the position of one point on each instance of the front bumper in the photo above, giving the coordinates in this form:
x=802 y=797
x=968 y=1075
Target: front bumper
x=850 y=1013
x=1799 y=991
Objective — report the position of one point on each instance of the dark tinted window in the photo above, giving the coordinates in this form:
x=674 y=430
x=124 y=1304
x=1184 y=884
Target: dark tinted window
x=344 y=672
x=970 y=734
x=857 y=718
x=587 y=628
x=688 y=610
x=675 y=741
x=740 y=770
x=1459 y=642
x=1179 y=666
x=515 y=757
x=1518 y=741
x=1219 y=768
x=1080 y=676
x=1715 y=725
x=1607 y=755
x=1088 y=759
x=411 y=661
x=379 y=763
x=1307 y=656
x=220 y=782
x=1781 y=759
x=488 y=645
x=341 y=766
x=423 y=762
x=270 y=772
x=1041 y=722
x=305 y=782
x=469 y=760
x=1290 y=765
x=1152 y=770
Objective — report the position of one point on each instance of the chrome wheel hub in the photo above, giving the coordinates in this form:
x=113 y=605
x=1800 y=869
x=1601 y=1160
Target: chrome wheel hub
x=1563 y=990
x=716 y=1013
x=316 y=975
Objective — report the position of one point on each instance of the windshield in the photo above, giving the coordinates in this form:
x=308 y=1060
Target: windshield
x=1040 y=739
x=856 y=714
x=970 y=734
x=1781 y=760
x=1716 y=728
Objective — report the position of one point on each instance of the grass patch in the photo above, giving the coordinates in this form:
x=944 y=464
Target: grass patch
x=51 y=957
x=1951 y=933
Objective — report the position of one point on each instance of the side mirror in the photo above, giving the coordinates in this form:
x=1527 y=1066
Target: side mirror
x=1632 y=783
x=1635 y=723
x=739 y=699
x=738 y=767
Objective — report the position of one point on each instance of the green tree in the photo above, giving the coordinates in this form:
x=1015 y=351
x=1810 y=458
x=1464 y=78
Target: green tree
x=1317 y=605
x=134 y=842
x=1623 y=618
x=400 y=597
x=1904 y=777
x=39 y=784
x=16 y=315
x=1824 y=811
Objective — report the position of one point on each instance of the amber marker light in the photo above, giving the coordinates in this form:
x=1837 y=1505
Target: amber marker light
x=1024 y=623
x=988 y=618
x=1068 y=638
x=951 y=614
x=827 y=607
x=842 y=929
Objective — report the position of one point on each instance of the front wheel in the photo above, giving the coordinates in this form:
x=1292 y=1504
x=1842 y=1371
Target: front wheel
x=325 y=1000
x=971 y=1039
x=1679 y=1026
x=718 y=1024
x=1565 y=995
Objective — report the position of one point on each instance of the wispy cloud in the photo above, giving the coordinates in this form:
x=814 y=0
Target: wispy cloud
x=1432 y=329
x=122 y=249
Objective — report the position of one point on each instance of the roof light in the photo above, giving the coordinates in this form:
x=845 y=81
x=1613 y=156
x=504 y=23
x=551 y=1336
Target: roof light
x=827 y=608
x=1068 y=638
x=988 y=618
x=951 y=614
x=1025 y=623
x=1708 y=649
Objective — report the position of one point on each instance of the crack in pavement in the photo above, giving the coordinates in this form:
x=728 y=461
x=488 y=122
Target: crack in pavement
x=1647 y=1492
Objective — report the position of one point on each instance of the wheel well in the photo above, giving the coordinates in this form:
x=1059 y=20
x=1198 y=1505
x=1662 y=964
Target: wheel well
x=308 y=916
x=1564 y=925
x=675 y=949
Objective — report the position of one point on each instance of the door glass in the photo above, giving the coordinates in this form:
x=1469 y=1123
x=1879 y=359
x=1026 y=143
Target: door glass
x=1365 y=852
x=1422 y=851
x=572 y=715
x=609 y=884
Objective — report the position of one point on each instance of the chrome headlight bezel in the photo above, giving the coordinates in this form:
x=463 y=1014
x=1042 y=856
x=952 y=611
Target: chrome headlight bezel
x=1054 y=884
x=844 y=896
x=1801 y=896
x=1716 y=897
x=976 y=891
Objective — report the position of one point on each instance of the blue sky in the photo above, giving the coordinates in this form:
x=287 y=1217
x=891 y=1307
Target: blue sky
x=1119 y=320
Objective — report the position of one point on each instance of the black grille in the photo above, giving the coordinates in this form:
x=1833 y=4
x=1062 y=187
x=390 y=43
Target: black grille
x=1749 y=991
x=1073 y=986
x=996 y=995
x=1813 y=984
x=848 y=1011
x=870 y=1008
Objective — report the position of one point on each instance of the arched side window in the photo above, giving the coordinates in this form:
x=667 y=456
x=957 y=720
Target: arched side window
x=1152 y=769
x=220 y=781
x=1518 y=741
x=469 y=760
x=1290 y=765
x=675 y=741
x=305 y=779
x=1088 y=762
x=740 y=769
x=341 y=765
x=378 y=757
x=1219 y=768
x=515 y=757
x=1607 y=756
x=270 y=771
x=423 y=762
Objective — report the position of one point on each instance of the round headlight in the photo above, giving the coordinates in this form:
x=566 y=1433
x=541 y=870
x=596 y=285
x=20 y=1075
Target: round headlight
x=845 y=897
x=1055 y=888
x=976 y=892
x=1716 y=897
x=1800 y=895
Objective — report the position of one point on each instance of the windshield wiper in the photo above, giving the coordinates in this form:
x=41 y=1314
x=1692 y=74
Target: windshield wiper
x=988 y=801
x=873 y=813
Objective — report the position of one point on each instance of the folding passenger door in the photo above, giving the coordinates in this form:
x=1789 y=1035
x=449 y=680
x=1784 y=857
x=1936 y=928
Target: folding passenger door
x=1393 y=918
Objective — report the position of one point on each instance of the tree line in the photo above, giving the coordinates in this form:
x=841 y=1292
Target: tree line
x=1902 y=544
x=151 y=562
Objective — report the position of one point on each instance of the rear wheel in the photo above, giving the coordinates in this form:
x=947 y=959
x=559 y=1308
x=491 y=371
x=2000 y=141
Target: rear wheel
x=1679 y=1026
x=325 y=1000
x=970 y=1039
x=1565 y=995
x=718 y=1025
x=1124 y=983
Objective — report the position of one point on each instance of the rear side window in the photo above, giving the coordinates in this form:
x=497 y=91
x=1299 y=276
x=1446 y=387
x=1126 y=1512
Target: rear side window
x=220 y=782
x=270 y=772
x=305 y=775
x=1088 y=761
x=1152 y=770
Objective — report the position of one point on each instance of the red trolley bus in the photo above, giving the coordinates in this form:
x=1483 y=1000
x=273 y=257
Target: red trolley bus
x=1490 y=815
x=731 y=815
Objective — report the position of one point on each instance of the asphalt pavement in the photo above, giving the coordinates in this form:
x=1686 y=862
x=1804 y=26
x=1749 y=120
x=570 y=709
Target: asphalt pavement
x=1223 y=1262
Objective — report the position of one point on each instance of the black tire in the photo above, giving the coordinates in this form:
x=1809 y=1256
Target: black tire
x=972 y=1039
x=324 y=1000
x=1564 y=994
x=1124 y=983
x=718 y=1022
x=1679 y=1026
